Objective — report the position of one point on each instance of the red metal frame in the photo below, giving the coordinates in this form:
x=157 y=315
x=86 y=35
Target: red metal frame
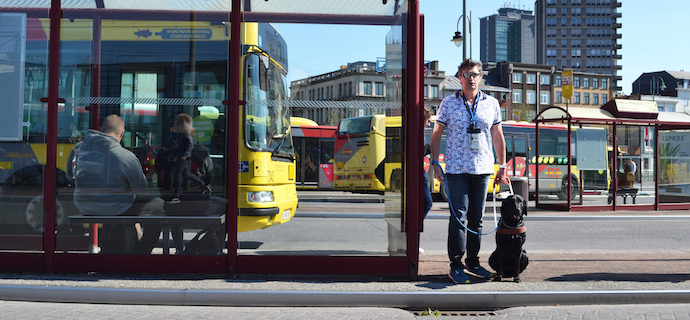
x=50 y=171
x=232 y=264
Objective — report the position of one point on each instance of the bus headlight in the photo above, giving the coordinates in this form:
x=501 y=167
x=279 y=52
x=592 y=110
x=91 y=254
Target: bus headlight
x=260 y=196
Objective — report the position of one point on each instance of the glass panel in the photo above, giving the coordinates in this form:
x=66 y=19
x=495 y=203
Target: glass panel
x=674 y=157
x=635 y=183
x=165 y=80
x=23 y=156
x=550 y=164
x=351 y=147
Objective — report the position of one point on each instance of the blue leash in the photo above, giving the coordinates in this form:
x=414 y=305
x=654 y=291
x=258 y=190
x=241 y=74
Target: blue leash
x=452 y=210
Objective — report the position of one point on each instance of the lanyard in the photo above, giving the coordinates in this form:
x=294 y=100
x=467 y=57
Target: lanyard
x=473 y=110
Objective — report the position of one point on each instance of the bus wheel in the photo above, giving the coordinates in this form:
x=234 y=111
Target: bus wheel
x=444 y=193
x=32 y=215
x=563 y=192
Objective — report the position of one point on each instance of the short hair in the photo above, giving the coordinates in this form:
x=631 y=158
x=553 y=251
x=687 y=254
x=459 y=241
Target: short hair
x=183 y=123
x=469 y=64
x=427 y=113
x=112 y=124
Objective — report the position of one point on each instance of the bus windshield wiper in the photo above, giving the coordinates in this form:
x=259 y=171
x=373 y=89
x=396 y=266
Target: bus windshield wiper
x=276 y=152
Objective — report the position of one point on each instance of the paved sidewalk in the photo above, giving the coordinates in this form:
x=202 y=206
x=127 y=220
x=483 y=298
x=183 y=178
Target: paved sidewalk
x=554 y=286
x=12 y=310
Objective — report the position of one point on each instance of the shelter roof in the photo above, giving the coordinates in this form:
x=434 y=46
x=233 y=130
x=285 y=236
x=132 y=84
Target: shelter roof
x=350 y=7
x=666 y=120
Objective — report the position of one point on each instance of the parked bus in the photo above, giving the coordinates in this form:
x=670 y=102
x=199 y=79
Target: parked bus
x=551 y=165
x=369 y=155
x=360 y=154
x=314 y=145
x=148 y=72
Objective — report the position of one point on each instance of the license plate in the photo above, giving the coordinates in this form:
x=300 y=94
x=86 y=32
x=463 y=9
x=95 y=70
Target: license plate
x=286 y=214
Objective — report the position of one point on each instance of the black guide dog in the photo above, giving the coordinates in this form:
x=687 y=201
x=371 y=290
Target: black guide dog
x=510 y=259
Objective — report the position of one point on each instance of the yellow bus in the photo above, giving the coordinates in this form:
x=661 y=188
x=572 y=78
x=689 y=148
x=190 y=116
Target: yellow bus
x=148 y=72
x=368 y=155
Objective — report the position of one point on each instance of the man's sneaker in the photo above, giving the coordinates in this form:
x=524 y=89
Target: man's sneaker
x=174 y=200
x=480 y=272
x=206 y=189
x=458 y=276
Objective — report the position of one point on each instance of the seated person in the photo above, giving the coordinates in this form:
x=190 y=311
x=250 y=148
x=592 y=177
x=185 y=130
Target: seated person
x=109 y=180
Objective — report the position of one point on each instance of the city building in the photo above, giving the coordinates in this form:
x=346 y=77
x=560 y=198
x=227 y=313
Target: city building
x=534 y=87
x=358 y=89
x=663 y=83
x=581 y=35
x=508 y=36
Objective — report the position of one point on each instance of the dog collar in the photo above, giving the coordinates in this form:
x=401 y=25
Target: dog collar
x=511 y=231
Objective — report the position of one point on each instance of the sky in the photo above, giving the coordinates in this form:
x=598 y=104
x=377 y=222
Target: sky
x=654 y=38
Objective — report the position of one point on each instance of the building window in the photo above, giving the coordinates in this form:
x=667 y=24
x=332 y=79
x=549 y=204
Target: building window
x=604 y=85
x=604 y=98
x=576 y=82
x=559 y=97
x=434 y=92
x=585 y=82
x=544 y=97
x=426 y=92
x=531 y=78
x=340 y=90
x=586 y=101
x=558 y=80
x=531 y=97
x=595 y=83
x=517 y=77
x=577 y=98
x=379 y=88
x=349 y=88
x=517 y=96
x=545 y=79
x=595 y=98
x=367 y=88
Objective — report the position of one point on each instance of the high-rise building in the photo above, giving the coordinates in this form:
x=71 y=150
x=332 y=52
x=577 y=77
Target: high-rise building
x=581 y=35
x=508 y=36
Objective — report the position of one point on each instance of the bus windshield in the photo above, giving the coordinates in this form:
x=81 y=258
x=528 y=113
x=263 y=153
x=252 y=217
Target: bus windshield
x=357 y=125
x=267 y=127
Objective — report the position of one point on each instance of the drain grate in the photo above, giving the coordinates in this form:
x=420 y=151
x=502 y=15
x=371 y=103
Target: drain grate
x=454 y=313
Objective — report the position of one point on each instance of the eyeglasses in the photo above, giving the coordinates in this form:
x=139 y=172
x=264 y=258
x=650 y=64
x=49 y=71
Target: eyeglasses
x=467 y=75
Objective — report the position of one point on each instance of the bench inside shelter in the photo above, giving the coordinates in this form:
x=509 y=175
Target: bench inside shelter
x=193 y=212
x=625 y=193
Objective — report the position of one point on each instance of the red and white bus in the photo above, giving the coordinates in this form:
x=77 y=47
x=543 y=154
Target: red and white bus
x=314 y=146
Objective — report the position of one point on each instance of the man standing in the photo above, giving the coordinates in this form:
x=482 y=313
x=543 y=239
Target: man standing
x=473 y=120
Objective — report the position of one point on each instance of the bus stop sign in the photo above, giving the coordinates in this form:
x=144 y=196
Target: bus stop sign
x=567 y=83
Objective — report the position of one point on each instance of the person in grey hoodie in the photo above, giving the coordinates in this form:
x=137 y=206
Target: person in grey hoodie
x=109 y=180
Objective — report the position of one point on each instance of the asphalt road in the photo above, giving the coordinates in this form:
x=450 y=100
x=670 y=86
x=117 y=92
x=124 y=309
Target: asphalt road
x=328 y=228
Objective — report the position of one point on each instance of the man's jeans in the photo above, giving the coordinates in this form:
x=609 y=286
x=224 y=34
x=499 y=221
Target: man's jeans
x=467 y=196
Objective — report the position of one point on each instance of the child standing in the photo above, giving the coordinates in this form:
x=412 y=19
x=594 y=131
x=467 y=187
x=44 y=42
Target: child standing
x=182 y=132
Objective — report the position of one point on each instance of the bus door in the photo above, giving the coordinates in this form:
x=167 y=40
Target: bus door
x=308 y=164
x=326 y=163
x=517 y=153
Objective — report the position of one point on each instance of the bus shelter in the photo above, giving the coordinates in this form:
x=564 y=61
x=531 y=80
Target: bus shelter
x=67 y=65
x=625 y=155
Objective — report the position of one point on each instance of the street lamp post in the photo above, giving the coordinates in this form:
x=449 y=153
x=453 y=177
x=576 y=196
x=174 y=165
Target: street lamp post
x=656 y=87
x=458 y=37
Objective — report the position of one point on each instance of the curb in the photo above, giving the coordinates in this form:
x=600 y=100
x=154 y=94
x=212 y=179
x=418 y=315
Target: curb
x=450 y=300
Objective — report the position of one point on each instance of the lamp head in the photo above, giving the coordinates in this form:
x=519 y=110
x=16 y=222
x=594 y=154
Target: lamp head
x=457 y=38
